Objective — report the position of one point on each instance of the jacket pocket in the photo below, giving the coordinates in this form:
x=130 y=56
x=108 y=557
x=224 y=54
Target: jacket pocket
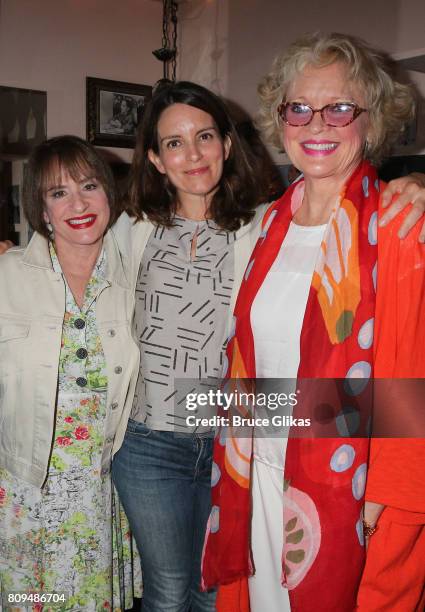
x=14 y=347
x=13 y=331
x=8 y=425
x=14 y=362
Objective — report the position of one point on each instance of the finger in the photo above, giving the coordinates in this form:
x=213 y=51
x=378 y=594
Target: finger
x=409 y=222
x=394 y=209
x=391 y=190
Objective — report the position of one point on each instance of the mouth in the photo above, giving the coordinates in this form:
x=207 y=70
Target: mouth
x=197 y=171
x=319 y=148
x=83 y=222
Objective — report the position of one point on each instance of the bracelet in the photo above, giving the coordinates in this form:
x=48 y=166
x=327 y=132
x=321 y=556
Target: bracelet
x=368 y=530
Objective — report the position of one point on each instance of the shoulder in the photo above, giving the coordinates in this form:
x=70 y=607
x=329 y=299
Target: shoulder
x=126 y=226
x=254 y=226
x=131 y=236
x=11 y=259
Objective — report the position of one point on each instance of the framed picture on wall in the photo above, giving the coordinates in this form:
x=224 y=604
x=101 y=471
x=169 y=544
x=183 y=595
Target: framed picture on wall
x=23 y=117
x=114 y=109
x=23 y=125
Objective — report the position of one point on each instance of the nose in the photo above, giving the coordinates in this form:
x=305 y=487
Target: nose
x=193 y=151
x=79 y=202
x=317 y=124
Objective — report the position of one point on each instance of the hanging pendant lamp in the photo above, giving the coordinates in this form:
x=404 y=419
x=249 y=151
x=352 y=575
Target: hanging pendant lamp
x=167 y=54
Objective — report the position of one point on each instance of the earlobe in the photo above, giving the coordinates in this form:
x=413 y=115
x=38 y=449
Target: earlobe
x=46 y=217
x=368 y=141
x=156 y=161
x=227 y=146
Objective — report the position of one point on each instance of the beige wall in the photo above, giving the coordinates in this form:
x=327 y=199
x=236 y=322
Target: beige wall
x=52 y=45
x=227 y=45
x=231 y=53
x=261 y=28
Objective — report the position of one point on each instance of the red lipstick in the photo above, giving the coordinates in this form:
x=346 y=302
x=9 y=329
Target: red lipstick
x=83 y=222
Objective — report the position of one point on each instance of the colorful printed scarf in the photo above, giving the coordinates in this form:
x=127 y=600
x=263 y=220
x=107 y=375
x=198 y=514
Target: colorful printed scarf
x=325 y=478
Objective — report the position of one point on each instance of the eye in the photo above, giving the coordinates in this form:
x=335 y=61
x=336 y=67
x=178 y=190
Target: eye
x=59 y=193
x=90 y=186
x=206 y=136
x=341 y=107
x=173 y=144
x=299 y=108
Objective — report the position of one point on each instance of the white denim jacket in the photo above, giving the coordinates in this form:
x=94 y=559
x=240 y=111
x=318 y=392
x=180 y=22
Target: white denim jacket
x=32 y=303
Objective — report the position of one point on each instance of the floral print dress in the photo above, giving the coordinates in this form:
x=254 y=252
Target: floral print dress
x=71 y=537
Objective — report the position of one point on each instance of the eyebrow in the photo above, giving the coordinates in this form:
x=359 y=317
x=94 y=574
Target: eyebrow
x=54 y=188
x=83 y=180
x=336 y=99
x=205 y=129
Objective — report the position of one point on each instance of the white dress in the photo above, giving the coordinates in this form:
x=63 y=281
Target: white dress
x=276 y=318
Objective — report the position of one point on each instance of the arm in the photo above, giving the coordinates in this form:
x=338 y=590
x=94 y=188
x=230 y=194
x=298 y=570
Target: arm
x=395 y=474
x=400 y=192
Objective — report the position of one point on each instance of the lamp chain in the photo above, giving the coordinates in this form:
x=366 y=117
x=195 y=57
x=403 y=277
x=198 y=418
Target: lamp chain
x=167 y=54
x=174 y=26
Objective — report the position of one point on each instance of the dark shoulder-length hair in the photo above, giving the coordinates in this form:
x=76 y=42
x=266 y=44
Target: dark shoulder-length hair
x=45 y=165
x=152 y=195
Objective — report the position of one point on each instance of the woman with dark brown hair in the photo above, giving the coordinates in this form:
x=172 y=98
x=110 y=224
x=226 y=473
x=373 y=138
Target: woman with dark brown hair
x=68 y=366
x=195 y=192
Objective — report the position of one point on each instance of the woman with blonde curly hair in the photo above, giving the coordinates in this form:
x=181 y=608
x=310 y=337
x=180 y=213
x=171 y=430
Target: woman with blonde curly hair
x=320 y=299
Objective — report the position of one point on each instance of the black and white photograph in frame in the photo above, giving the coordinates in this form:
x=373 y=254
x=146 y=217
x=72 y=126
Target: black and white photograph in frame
x=114 y=110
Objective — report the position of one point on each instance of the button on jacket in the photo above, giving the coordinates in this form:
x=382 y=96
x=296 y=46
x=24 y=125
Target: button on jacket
x=32 y=304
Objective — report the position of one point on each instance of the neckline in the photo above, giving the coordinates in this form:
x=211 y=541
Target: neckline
x=304 y=228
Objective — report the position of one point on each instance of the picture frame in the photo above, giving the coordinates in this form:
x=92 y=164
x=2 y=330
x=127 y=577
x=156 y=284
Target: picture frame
x=114 y=109
x=23 y=121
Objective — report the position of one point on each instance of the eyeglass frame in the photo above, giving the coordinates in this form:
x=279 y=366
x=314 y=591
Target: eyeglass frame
x=358 y=110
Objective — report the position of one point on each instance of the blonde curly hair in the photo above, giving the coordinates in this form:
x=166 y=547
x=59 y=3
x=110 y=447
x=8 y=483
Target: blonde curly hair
x=390 y=103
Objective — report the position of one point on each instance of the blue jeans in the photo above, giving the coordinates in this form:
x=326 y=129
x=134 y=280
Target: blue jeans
x=163 y=480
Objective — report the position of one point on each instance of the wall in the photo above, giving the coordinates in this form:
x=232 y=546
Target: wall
x=250 y=33
x=203 y=43
x=224 y=44
x=52 y=45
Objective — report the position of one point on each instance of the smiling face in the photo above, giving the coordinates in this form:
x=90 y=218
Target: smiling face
x=191 y=153
x=318 y=150
x=77 y=210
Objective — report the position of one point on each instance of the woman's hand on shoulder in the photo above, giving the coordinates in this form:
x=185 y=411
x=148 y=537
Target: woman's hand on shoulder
x=398 y=194
x=5 y=245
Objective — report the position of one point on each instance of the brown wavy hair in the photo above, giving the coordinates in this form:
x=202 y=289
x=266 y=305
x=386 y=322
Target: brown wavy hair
x=151 y=195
